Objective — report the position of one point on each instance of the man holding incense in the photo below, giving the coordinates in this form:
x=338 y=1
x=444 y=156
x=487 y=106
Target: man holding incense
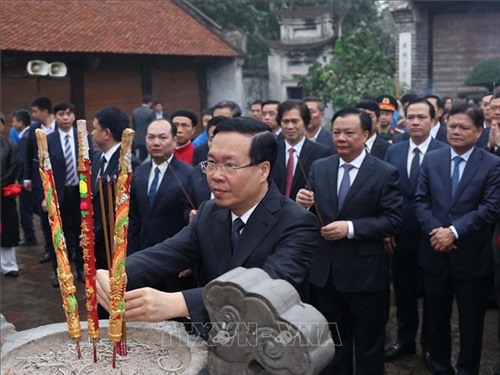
x=249 y=224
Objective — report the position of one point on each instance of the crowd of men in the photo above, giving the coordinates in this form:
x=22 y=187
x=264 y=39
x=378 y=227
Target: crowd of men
x=405 y=192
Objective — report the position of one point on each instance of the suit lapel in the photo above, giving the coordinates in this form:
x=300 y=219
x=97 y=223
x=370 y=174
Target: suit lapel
x=303 y=161
x=258 y=227
x=444 y=170
x=332 y=178
x=142 y=176
x=221 y=227
x=168 y=179
x=281 y=167
x=402 y=162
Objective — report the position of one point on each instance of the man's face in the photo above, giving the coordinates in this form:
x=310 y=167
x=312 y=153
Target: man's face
x=462 y=133
x=293 y=126
x=374 y=118
x=18 y=125
x=158 y=107
x=419 y=122
x=65 y=119
x=185 y=129
x=159 y=141
x=205 y=119
x=438 y=111
x=99 y=134
x=348 y=137
x=38 y=115
x=495 y=109
x=316 y=115
x=226 y=112
x=256 y=111
x=239 y=189
x=485 y=107
x=385 y=119
x=269 y=112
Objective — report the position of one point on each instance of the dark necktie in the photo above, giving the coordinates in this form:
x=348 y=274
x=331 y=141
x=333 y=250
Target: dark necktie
x=289 y=172
x=71 y=178
x=414 y=168
x=344 y=185
x=154 y=187
x=455 y=177
x=238 y=225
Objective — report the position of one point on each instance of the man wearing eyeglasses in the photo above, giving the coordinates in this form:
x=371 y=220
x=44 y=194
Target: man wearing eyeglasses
x=248 y=223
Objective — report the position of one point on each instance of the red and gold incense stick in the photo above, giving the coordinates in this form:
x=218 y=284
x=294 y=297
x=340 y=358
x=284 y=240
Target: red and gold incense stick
x=117 y=277
x=64 y=274
x=87 y=232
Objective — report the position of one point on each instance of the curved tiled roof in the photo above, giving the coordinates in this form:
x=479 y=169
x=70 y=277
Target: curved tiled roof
x=156 y=27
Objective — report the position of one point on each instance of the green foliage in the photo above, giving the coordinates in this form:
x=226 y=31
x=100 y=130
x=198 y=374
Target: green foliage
x=485 y=74
x=360 y=66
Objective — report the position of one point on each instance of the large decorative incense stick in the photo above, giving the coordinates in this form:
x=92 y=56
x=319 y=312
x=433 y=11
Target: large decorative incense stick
x=87 y=232
x=64 y=274
x=117 y=277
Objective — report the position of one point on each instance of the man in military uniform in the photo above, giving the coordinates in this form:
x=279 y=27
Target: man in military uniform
x=388 y=105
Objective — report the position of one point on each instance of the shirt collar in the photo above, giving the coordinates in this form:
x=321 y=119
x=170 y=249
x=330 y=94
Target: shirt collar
x=297 y=147
x=21 y=133
x=422 y=147
x=356 y=162
x=370 y=141
x=246 y=215
x=163 y=166
x=464 y=156
x=185 y=145
x=109 y=154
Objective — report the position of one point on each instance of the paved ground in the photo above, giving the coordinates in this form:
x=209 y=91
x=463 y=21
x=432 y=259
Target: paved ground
x=30 y=301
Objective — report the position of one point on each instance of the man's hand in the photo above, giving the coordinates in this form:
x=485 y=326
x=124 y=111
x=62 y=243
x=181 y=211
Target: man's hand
x=305 y=198
x=494 y=138
x=442 y=240
x=44 y=205
x=102 y=285
x=27 y=185
x=335 y=230
x=151 y=305
x=192 y=214
x=390 y=245
x=186 y=273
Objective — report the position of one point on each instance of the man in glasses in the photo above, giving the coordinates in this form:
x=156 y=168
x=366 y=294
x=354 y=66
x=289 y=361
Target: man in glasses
x=248 y=223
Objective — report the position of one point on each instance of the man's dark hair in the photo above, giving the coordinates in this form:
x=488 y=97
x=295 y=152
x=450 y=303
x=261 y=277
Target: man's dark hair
x=207 y=111
x=432 y=110
x=23 y=116
x=369 y=105
x=64 y=106
x=235 y=108
x=271 y=101
x=258 y=101
x=185 y=113
x=215 y=121
x=263 y=147
x=366 y=121
x=440 y=103
x=114 y=119
x=157 y=102
x=486 y=94
x=173 y=128
x=290 y=104
x=496 y=96
x=406 y=98
x=313 y=99
x=147 y=99
x=474 y=113
x=42 y=103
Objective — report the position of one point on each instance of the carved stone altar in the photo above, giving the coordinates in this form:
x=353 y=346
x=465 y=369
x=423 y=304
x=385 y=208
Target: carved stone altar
x=260 y=326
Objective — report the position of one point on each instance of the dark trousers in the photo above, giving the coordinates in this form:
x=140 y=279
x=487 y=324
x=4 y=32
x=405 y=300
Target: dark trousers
x=71 y=220
x=357 y=323
x=27 y=207
x=405 y=277
x=471 y=298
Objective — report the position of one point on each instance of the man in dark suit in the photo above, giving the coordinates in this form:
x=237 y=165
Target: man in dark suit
x=200 y=153
x=41 y=114
x=375 y=145
x=457 y=202
x=360 y=203
x=63 y=151
x=141 y=117
x=407 y=156
x=108 y=126
x=269 y=113
x=315 y=132
x=248 y=224
x=295 y=153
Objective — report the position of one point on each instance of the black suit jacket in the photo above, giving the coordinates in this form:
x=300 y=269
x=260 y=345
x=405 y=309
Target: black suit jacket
x=310 y=152
x=472 y=211
x=23 y=149
x=279 y=237
x=200 y=154
x=325 y=138
x=151 y=225
x=397 y=155
x=379 y=147
x=374 y=205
